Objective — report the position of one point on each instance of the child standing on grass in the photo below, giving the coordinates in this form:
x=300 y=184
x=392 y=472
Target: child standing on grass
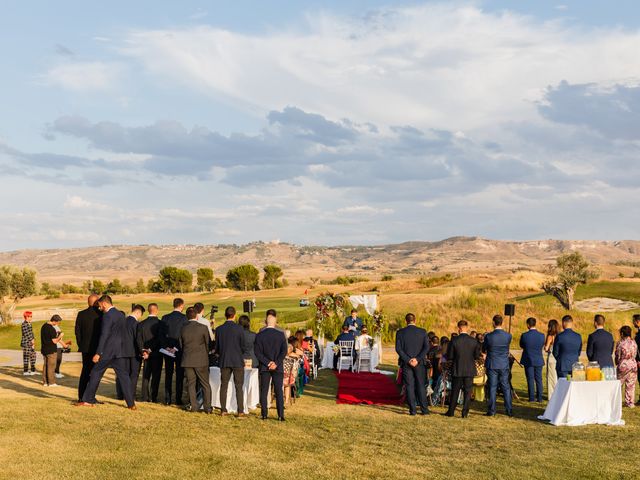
x=28 y=344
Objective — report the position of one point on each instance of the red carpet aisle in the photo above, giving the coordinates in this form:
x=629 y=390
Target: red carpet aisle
x=367 y=388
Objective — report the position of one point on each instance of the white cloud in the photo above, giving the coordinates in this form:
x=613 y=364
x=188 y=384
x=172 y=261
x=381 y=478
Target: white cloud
x=83 y=76
x=364 y=210
x=76 y=202
x=445 y=65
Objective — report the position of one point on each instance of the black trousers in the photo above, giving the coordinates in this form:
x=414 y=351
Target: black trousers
x=198 y=376
x=58 y=359
x=171 y=364
x=414 y=381
x=151 y=371
x=133 y=367
x=466 y=385
x=87 y=366
x=275 y=378
x=238 y=382
x=121 y=366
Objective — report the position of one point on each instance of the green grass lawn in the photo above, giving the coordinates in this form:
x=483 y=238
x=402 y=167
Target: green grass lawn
x=629 y=291
x=43 y=436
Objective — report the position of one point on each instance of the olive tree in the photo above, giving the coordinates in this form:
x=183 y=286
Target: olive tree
x=15 y=284
x=571 y=270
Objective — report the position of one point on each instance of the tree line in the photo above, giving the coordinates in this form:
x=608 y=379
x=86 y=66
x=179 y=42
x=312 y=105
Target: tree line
x=173 y=279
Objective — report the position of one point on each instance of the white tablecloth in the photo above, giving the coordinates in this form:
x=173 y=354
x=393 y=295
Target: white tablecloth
x=584 y=403
x=327 y=359
x=251 y=390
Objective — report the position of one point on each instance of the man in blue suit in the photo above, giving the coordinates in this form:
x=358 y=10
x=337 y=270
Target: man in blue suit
x=130 y=351
x=412 y=345
x=531 y=343
x=354 y=322
x=496 y=346
x=345 y=336
x=566 y=348
x=109 y=354
x=600 y=344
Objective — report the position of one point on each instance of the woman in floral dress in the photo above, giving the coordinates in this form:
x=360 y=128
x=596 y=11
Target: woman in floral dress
x=626 y=352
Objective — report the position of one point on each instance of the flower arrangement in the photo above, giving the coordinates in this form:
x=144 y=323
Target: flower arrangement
x=378 y=319
x=328 y=305
x=371 y=342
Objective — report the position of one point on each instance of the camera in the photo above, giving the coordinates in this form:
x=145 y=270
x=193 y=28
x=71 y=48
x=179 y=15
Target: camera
x=214 y=310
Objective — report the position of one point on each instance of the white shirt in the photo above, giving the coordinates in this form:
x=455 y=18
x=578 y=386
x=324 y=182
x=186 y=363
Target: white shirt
x=203 y=321
x=59 y=344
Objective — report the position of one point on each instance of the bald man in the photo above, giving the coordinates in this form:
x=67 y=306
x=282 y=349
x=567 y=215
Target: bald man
x=87 y=336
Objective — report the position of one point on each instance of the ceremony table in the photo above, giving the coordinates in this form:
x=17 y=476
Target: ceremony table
x=585 y=403
x=251 y=390
x=327 y=359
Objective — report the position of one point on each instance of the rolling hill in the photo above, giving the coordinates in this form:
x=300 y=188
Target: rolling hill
x=453 y=254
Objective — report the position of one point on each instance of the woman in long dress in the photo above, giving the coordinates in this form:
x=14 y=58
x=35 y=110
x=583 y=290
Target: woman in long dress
x=626 y=353
x=553 y=328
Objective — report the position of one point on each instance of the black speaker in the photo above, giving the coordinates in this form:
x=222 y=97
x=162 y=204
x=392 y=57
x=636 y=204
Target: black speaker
x=247 y=306
x=510 y=309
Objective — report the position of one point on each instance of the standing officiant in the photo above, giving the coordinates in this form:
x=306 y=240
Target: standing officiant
x=354 y=322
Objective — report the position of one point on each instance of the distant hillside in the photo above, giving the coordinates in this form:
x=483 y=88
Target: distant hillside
x=453 y=254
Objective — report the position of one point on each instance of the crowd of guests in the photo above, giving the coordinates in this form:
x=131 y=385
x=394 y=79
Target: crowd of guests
x=469 y=365
x=433 y=370
x=184 y=344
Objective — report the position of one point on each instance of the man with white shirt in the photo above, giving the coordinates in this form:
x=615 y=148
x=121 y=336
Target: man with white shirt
x=199 y=308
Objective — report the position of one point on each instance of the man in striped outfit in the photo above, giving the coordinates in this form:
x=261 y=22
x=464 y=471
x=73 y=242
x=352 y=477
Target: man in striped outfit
x=28 y=344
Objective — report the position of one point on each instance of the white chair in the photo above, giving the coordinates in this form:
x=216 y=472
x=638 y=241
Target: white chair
x=345 y=360
x=364 y=357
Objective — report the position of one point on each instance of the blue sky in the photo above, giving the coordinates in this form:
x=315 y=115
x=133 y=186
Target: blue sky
x=317 y=122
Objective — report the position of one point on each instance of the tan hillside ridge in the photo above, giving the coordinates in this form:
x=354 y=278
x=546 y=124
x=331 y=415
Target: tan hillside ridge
x=457 y=255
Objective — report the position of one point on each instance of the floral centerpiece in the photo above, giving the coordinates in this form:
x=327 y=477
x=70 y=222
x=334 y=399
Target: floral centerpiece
x=328 y=306
x=378 y=322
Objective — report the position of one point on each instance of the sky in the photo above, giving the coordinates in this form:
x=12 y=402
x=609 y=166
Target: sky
x=317 y=123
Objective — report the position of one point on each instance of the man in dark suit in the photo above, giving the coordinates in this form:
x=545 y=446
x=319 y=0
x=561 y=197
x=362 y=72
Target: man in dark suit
x=109 y=354
x=600 y=344
x=346 y=336
x=270 y=348
x=87 y=337
x=130 y=351
x=531 y=343
x=496 y=346
x=195 y=344
x=171 y=326
x=149 y=343
x=354 y=322
x=566 y=348
x=463 y=351
x=230 y=349
x=412 y=345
